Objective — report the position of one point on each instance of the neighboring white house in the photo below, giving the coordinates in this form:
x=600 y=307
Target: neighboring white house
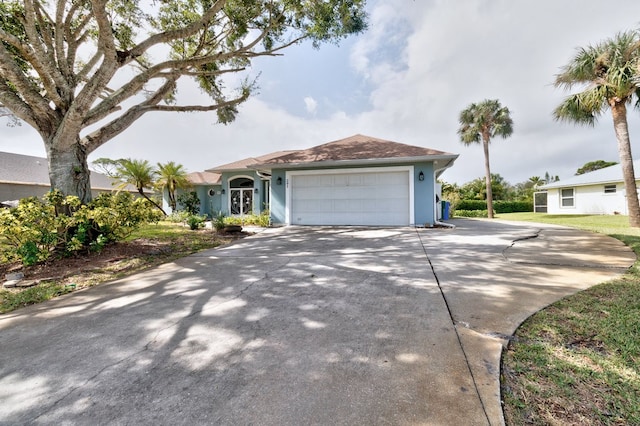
x=598 y=192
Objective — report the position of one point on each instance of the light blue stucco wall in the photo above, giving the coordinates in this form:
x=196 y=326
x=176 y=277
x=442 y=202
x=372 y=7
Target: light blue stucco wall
x=209 y=205
x=278 y=194
x=424 y=194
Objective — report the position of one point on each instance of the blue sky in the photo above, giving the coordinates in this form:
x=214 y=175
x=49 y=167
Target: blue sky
x=406 y=80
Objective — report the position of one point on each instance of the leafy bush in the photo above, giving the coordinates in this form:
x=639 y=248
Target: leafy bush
x=196 y=221
x=498 y=206
x=262 y=219
x=55 y=224
x=219 y=221
x=178 y=217
x=472 y=205
x=190 y=202
x=472 y=213
x=513 y=206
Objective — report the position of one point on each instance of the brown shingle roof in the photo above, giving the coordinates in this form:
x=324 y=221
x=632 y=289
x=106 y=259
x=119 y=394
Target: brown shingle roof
x=244 y=164
x=357 y=147
x=204 y=178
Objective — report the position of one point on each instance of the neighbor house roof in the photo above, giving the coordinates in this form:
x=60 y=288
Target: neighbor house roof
x=21 y=169
x=611 y=174
x=204 y=178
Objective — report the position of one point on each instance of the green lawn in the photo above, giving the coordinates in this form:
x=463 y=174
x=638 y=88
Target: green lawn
x=608 y=224
x=577 y=362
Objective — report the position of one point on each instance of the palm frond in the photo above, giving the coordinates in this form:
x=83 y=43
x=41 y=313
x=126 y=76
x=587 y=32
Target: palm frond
x=573 y=109
x=486 y=117
x=610 y=72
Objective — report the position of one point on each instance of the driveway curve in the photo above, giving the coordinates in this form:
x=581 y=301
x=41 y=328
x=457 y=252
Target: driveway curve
x=300 y=325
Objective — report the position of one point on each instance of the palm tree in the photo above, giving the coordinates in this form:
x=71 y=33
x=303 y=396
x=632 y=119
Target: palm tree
x=479 y=123
x=172 y=176
x=608 y=73
x=138 y=173
x=536 y=181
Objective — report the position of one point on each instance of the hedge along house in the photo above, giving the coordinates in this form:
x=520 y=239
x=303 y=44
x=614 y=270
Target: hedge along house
x=359 y=180
x=599 y=192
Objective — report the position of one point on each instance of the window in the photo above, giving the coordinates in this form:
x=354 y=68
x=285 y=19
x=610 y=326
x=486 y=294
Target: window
x=610 y=189
x=566 y=197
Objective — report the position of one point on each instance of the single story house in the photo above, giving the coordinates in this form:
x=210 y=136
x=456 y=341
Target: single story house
x=359 y=180
x=599 y=192
x=23 y=176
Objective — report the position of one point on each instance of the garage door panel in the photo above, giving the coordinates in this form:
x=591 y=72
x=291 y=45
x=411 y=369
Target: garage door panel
x=351 y=198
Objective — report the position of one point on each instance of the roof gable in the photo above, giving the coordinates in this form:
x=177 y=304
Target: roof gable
x=204 y=178
x=247 y=162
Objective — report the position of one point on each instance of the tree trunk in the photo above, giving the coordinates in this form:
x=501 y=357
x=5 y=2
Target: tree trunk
x=141 y=192
x=487 y=169
x=69 y=170
x=619 y=111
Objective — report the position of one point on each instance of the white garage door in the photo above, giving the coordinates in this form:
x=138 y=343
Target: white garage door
x=351 y=198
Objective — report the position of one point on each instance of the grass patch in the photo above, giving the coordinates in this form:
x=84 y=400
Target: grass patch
x=577 y=362
x=603 y=224
x=150 y=245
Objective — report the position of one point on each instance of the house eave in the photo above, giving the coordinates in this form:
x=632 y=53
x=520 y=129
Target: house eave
x=559 y=184
x=360 y=162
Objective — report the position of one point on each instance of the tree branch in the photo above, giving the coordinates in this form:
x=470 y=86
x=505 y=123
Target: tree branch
x=184 y=32
x=17 y=106
x=117 y=126
x=10 y=71
x=45 y=56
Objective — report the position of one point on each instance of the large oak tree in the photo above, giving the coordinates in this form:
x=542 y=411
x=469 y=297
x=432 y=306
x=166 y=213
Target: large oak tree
x=82 y=71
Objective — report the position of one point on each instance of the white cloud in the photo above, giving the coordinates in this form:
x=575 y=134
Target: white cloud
x=311 y=104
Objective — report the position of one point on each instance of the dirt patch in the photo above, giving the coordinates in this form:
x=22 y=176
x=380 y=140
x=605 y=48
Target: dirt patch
x=117 y=260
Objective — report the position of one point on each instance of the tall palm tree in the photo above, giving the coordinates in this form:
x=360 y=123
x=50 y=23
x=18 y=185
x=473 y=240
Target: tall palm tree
x=608 y=74
x=172 y=176
x=480 y=122
x=139 y=173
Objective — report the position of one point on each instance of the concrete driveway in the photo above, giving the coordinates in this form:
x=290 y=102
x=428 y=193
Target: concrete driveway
x=297 y=326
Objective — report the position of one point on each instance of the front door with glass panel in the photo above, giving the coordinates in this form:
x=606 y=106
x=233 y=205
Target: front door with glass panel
x=241 y=196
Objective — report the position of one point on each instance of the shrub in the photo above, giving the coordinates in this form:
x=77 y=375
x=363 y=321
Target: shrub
x=512 y=206
x=218 y=221
x=472 y=213
x=190 y=202
x=498 y=206
x=55 y=224
x=178 y=217
x=196 y=221
x=262 y=219
x=471 y=205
